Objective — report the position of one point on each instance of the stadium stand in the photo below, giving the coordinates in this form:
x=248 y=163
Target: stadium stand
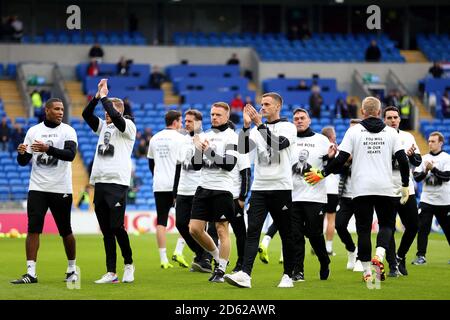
x=86 y=37
x=435 y=47
x=323 y=47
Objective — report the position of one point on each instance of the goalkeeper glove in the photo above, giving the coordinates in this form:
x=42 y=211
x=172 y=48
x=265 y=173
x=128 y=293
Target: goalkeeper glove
x=405 y=195
x=314 y=176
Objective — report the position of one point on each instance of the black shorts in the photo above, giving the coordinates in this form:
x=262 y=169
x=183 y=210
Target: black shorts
x=163 y=202
x=238 y=211
x=332 y=203
x=60 y=205
x=212 y=205
x=110 y=204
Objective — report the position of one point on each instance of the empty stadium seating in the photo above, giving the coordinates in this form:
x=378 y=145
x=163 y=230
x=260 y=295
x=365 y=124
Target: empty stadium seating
x=324 y=47
x=435 y=47
x=436 y=87
x=86 y=37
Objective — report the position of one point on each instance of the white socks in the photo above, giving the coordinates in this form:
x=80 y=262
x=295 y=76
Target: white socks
x=265 y=241
x=71 y=266
x=366 y=267
x=380 y=252
x=223 y=264
x=163 y=255
x=180 y=246
x=31 y=268
x=329 y=245
x=215 y=254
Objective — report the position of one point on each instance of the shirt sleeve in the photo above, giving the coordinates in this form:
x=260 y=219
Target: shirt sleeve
x=232 y=141
x=150 y=150
x=397 y=143
x=29 y=141
x=416 y=145
x=421 y=167
x=243 y=162
x=447 y=164
x=130 y=129
x=72 y=135
x=101 y=123
x=347 y=142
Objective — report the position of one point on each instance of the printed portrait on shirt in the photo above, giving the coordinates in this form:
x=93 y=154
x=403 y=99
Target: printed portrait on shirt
x=432 y=180
x=106 y=149
x=44 y=160
x=186 y=164
x=302 y=166
x=209 y=163
x=265 y=157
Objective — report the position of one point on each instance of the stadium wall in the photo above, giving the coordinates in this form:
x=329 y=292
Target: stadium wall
x=84 y=222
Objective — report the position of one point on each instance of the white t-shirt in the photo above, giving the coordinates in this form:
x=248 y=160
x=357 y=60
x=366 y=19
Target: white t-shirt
x=49 y=174
x=189 y=178
x=407 y=140
x=332 y=183
x=273 y=168
x=435 y=191
x=372 y=159
x=309 y=153
x=164 y=149
x=112 y=160
x=243 y=162
x=348 y=188
x=213 y=177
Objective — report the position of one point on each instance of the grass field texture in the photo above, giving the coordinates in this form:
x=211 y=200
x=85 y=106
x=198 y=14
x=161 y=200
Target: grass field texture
x=431 y=281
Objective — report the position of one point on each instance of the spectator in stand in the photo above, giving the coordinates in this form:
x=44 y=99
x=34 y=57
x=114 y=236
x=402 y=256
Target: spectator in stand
x=36 y=101
x=342 y=110
x=233 y=60
x=436 y=70
x=84 y=201
x=373 y=52
x=445 y=103
x=147 y=135
x=96 y=53
x=406 y=107
x=5 y=133
x=315 y=101
x=302 y=86
x=353 y=108
x=141 y=149
x=17 y=136
x=393 y=99
x=123 y=66
x=248 y=100
x=237 y=105
x=135 y=184
x=157 y=78
x=92 y=69
x=17 y=28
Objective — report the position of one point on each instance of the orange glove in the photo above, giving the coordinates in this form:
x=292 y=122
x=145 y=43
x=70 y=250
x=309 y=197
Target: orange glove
x=314 y=176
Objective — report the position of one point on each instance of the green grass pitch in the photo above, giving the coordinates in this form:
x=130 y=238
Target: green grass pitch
x=431 y=281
